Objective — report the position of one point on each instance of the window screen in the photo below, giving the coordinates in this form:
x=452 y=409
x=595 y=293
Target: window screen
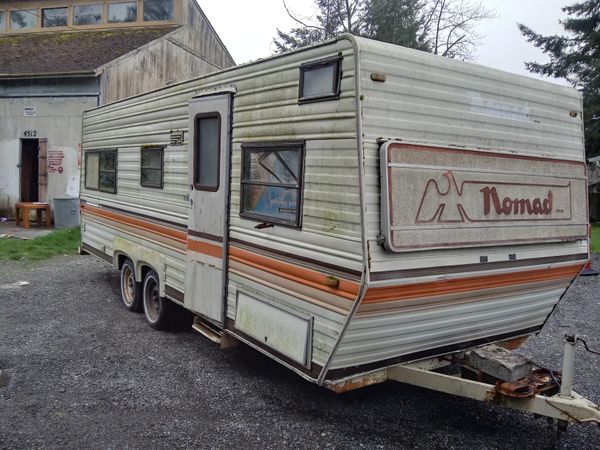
x=158 y=10
x=122 y=12
x=320 y=80
x=207 y=152
x=20 y=20
x=151 y=167
x=272 y=183
x=87 y=14
x=101 y=170
x=55 y=17
x=2 y=21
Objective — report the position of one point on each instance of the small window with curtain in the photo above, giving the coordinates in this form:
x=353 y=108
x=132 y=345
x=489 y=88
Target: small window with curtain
x=207 y=152
x=101 y=170
x=158 y=10
x=151 y=166
x=320 y=80
x=272 y=177
x=55 y=17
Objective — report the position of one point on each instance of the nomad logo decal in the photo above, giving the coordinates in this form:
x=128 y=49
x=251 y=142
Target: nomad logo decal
x=446 y=201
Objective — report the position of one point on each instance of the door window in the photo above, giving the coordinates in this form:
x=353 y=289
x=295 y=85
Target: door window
x=207 y=151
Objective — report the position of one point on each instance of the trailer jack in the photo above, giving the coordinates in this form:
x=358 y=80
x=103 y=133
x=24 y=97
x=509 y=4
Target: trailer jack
x=544 y=393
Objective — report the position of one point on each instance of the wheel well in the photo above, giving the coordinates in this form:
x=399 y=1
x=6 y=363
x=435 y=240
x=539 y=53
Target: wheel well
x=121 y=259
x=145 y=270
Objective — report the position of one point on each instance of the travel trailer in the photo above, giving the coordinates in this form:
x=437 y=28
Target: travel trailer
x=355 y=210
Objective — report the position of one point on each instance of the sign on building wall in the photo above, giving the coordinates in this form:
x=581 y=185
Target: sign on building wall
x=30 y=111
x=56 y=159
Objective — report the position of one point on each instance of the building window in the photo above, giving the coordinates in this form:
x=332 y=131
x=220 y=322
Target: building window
x=207 y=152
x=272 y=183
x=101 y=170
x=158 y=10
x=22 y=19
x=55 y=17
x=122 y=12
x=151 y=166
x=87 y=14
x=2 y=21
x=320 y=80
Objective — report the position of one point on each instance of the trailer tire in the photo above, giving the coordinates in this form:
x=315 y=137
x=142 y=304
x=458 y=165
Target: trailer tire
x=131 y=290
x=159 y=311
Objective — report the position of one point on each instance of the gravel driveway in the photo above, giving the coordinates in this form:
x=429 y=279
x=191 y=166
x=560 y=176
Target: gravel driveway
x=79 y=371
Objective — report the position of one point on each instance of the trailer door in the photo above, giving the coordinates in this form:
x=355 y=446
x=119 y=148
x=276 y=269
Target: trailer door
x=209 y=158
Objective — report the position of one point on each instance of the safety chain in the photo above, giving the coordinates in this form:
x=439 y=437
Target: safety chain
x=586 y=346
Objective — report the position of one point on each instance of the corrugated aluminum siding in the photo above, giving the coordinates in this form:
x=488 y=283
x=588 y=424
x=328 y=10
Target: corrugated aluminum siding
x=265 y=109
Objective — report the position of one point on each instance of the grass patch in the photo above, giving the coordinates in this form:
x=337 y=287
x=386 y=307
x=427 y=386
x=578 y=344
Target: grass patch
x=59 y=242
x=596 y=238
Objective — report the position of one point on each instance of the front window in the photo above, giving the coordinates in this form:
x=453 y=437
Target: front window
x=22 y=19
x=207 y=149
x=151 y=167
x=55 y=17
x=122 y=12
x=158 y=10
x=272 y=182
x=101 y=170
x=87 y=14
x=320 y=80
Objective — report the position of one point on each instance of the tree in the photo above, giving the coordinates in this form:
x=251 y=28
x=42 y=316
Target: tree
x=576 y=58
x=333 y=17
x=396 y=21
x=449 y=27
x=444 y=27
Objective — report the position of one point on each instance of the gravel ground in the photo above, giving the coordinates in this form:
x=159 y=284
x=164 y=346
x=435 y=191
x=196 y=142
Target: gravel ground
x=79 y=371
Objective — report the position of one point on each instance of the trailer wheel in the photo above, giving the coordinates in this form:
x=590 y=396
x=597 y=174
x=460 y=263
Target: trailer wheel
x=131 y=290
x=158 y=310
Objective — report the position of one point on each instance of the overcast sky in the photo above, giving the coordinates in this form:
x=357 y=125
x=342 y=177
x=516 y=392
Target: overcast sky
x=247 y=28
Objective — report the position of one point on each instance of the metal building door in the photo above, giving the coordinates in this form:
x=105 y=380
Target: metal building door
x=209 y=160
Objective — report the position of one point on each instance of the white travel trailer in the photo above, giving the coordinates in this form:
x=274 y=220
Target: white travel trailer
x=347 y=209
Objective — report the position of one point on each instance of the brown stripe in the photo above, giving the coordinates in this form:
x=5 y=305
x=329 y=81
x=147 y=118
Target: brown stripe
x=205 y=248
x=146 y=217
x=177 y=235
x=316 y=265
x=346 y=289
x=429 y=271
x=442 y=287
x=207 y=236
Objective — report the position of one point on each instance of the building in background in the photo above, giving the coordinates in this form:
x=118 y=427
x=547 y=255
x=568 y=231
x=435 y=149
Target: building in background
x=60 y=58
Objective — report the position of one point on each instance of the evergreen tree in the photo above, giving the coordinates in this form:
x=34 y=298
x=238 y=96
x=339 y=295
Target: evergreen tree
x=396 y=21
x=575 y=57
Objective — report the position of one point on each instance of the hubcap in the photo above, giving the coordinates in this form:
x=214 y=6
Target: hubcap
x=152 y=299
x=128 y=286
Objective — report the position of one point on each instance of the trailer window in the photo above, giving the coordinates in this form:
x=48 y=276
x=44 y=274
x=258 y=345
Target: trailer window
x=272 y=183
x=101 y=170
x=320 y=80
x=151 y=167
x=207 y=151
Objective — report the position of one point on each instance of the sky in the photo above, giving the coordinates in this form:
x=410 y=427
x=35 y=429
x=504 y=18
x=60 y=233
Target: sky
x=247 y=28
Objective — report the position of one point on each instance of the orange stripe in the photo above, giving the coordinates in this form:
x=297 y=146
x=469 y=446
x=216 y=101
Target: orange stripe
x=430 y=289
x=307 y=277
x=205 y=248
x=179 y=236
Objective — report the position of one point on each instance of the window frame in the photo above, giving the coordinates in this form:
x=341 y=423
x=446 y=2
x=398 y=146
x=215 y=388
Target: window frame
x=161 y=149
x=28 y=11
x=336 y=61
x=137 y=11
x=102 y=11
x=115 y=151
x=300 y=146
x=43 y=17
x=143 y=14
x=197 y=185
